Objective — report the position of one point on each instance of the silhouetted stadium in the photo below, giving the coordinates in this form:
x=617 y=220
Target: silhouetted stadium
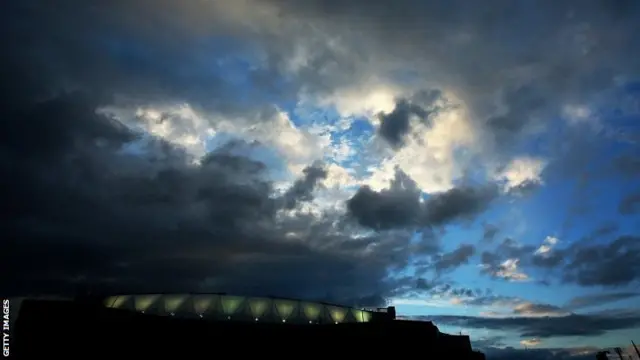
x=225 y=307
x=199 y=325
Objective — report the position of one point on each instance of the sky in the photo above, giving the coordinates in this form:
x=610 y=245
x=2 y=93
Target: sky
x=474 y=164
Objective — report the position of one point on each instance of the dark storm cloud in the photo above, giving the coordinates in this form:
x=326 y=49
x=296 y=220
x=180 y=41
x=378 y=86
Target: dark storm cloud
x=488 y=342
x=162 y=45
x=488 y=299
x=62 y=123
x=630 y=204
x=400 y=205
x=509 y=353
x=628 y=164
x=454 y=259
x=302 y=189
x=546 y=327
x=90 y=201
x=138 y=50
x=124 y=222
x=423 y=284
x=462 y=292
x=613 y=264
x=527 y=61
x=524 y=103
x=605 y=229
x=82 y=210
x=460 y=203
x=397 y=206
x=489 y=232
x=586 y=301
x=396 y=125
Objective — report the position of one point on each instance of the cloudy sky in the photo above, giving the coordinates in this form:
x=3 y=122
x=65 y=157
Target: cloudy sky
x=473 y=164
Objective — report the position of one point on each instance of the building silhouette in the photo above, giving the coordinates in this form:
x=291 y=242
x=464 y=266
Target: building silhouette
x=205 y=325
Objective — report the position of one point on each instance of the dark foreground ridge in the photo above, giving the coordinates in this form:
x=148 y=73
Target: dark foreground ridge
x=48 y=328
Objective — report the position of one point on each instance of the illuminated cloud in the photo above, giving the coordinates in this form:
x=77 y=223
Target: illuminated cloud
x=548 y=244
x=530 y=342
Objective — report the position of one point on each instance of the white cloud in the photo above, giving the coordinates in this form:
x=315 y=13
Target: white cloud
x=547 y=245
x=339 y=177
x=577 y=114
x=509 y=271
x=177 y=124
x=430 y=156
x=365 y=100
x=530 y=309
x=517 y=307
x=520 y=171
x=530 y=342
x=298 y=147
x=197 y=133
